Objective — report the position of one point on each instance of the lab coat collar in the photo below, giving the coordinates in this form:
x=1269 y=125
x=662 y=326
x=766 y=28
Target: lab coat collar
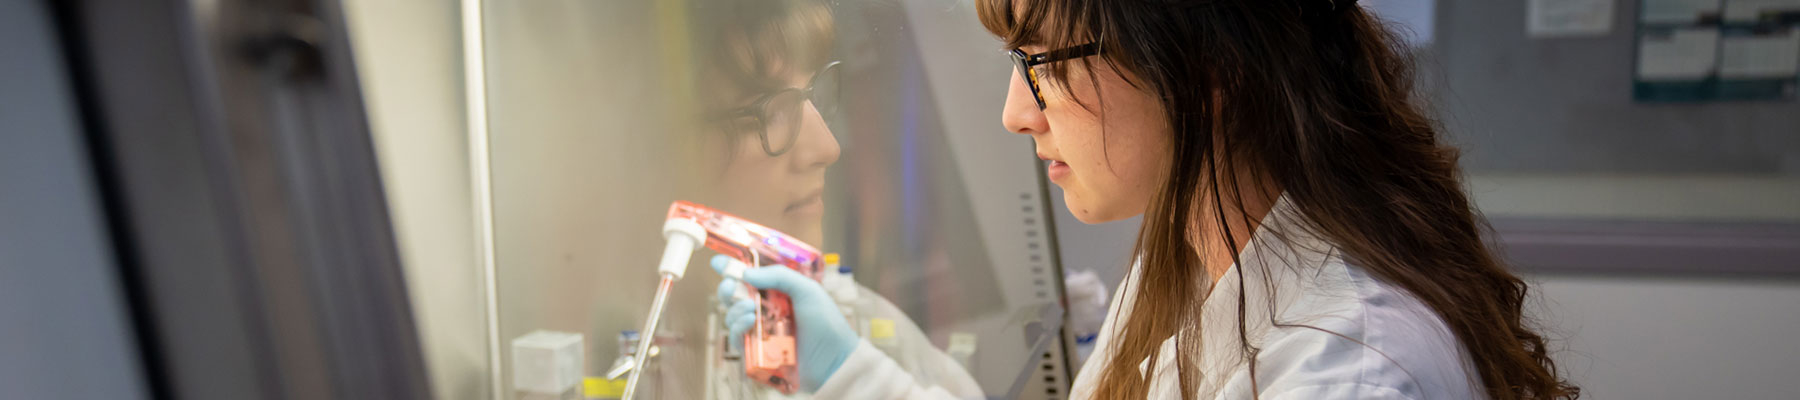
x=1283 y=270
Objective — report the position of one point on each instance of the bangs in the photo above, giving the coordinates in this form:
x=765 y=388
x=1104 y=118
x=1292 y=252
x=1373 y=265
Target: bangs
x=997 y=16
x=1058 y=24
x=1048 y=23
x=758 y=45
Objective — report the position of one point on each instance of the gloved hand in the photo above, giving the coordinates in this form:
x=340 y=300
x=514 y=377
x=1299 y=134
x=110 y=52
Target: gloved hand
x=823 y=336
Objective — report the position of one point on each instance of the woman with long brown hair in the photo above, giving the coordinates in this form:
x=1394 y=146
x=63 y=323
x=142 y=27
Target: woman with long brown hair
x=1306 y=233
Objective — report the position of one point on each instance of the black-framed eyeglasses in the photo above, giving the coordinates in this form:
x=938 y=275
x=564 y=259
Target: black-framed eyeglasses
x=1027 y=64
x=777 y=116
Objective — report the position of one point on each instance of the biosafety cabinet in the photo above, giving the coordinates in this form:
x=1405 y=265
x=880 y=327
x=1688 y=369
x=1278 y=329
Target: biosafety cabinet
x=408 y=199
x=868 y=129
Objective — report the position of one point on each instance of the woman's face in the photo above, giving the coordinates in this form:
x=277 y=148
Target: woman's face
x=784 y=192
x=1109 y=162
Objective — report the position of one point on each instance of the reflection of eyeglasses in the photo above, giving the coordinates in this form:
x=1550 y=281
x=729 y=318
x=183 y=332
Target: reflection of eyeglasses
x=1028 y=63
x=777 y=116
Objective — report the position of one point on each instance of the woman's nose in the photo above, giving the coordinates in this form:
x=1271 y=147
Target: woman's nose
x=1022 y=114
x=817 y=147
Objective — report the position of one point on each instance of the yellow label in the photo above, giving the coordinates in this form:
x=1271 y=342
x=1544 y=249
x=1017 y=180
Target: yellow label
x=881 y=328
x=602 y=388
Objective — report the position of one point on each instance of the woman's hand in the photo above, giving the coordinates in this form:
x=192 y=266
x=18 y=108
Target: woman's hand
x=823 y=336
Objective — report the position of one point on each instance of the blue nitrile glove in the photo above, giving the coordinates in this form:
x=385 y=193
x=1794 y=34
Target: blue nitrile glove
x=823 y=336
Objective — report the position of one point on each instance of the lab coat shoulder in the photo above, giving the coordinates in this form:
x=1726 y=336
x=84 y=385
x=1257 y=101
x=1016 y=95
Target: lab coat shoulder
x=1366 y=340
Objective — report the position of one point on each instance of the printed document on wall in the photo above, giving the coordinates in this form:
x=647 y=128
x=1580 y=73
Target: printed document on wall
x=1567 y=18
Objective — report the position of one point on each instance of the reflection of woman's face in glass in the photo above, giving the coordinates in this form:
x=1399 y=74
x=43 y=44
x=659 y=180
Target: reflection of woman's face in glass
x=761 y=92
x=784 y=191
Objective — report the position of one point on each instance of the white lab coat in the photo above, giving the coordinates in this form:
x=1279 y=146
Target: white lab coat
x=1405 y=350
x=1391 y=345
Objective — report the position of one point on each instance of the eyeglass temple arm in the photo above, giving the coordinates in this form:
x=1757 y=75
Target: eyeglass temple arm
x=1065 y=53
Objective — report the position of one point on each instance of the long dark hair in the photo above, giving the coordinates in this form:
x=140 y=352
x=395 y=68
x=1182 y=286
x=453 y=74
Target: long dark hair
x=1314 y=96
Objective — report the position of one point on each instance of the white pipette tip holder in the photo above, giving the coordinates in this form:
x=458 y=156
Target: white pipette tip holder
x=683 y=236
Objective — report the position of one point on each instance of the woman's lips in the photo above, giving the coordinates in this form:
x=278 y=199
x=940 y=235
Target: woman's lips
x=811 y=204
x=1058 y=170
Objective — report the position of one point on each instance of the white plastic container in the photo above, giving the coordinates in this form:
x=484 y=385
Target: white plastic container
x=547 y=365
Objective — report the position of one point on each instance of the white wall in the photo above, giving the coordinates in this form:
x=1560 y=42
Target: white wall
x=1663 y=337
x=1675 y=338
x=409 y=59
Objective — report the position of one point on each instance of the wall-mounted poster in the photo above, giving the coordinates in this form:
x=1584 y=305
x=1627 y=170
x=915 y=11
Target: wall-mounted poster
x=1568 y=18
x=1717 y=50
